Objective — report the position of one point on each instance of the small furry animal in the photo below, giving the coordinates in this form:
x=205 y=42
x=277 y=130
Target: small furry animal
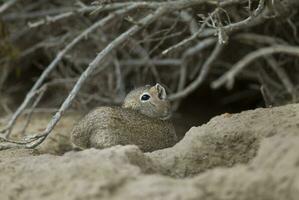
x=142 y=120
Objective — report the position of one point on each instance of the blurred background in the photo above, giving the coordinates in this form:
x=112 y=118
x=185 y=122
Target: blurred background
x=33 y=32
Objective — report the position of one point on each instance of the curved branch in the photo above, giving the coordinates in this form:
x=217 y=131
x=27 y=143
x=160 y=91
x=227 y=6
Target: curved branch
x=38 y=139
x=202 y=75
x=7 y=5
x=55 y=62
x=228 y=77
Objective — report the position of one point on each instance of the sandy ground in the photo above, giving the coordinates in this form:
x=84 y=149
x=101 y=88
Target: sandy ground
x=250 y=155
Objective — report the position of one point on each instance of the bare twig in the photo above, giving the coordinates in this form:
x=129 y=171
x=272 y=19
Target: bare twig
x=267 y=98
x=201 y=32
x=118 y=41
x=35 y=103
x=92 y=9
x=190 y=52
x=64 y=15
x=252 y=38
x=145 y=54
x=156 y=62
x=228 y=77
x=191 y=38
x=120 y=84
x=203 y=74
x=7 y=5
x=281 y=73
x=38 y=139
x=54 y=63
x=188 y=71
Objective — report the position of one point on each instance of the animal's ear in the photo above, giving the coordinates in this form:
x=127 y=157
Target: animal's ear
x=161 y=91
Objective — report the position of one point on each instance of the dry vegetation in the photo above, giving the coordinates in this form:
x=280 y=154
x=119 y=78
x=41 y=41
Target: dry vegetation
x=96 y=51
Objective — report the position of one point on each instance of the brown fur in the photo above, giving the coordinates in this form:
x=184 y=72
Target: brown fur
x=108 y=126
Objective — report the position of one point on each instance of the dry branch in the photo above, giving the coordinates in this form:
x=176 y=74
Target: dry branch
x=54 y=63
x=35 y=140
x=202 y=75
x=174 y=26
x=38 y=139
x=7 y=5
x=229 y=77
x=95 y=63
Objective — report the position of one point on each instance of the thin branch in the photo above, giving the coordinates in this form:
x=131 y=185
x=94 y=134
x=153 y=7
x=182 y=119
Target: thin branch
x=281 y=73
x=191 y=38
x=158 y=9
x=228 y=77
x=253 y=38
x=92 y=9
x=190 y=52
x=156 y=62
x=227 y=29
x=38 y=139
x=54 y=63
x=202 y=75
x=7 y=5
x=92 y=66
x=64 y=15
x=120 y=83
x=30 y=114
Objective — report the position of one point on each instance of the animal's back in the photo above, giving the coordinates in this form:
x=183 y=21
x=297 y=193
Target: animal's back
x=108 y=126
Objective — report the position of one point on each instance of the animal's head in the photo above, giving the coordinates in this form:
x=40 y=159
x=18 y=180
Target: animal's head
x=149 y=100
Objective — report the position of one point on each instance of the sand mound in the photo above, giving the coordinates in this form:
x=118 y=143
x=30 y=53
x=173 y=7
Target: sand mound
x=251 y=155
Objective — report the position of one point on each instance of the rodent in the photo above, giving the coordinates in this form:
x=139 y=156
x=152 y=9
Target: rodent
x=142 y=120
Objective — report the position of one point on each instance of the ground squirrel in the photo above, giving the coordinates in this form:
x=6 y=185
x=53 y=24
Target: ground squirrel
x=142 y=120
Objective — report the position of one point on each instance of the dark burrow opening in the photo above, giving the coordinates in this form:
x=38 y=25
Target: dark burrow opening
x=202 y=105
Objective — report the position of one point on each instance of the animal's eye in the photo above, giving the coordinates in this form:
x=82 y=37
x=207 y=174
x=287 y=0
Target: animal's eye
x=145 y=97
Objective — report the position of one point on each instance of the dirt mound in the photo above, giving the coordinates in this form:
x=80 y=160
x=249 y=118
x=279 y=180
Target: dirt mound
x=251 y=155
x=226 y=140
x=59 y=140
